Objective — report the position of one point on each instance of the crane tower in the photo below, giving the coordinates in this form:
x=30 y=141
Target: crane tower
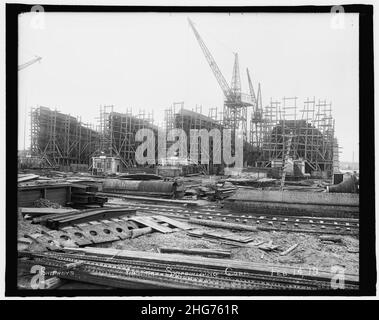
x=235 y=102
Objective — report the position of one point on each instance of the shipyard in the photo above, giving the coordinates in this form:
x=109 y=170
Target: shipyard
x=248 y=194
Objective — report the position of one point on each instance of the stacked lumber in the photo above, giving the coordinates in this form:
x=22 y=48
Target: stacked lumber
x=60 y=220
x=211 y=192
x=85 y=196
x=160 y=223
x=37 y=212
x=227 y=238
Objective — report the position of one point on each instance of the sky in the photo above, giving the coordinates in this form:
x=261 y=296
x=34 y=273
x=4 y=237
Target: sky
x=148 y=61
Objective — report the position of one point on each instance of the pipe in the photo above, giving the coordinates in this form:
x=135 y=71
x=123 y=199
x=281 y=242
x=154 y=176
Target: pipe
x=154 y=186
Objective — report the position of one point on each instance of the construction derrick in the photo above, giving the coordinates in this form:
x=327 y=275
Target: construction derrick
x=29 y=63
x=61 y=139
x=256 y=121
x=235 y=102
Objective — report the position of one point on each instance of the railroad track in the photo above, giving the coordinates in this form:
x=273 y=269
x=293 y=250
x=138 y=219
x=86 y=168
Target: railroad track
x=264 y=222
x=124 y=273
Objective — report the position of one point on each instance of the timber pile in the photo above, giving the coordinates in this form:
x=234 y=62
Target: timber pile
x=37 y=212
x=85 y=195
x=253 y=182
x=227 y=238
x=160 y=223
x=212 y=192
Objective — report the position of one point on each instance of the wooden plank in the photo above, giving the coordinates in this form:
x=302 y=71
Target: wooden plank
x=196 y=233
x=173 y=222
x=28 y=177
x=196 y=251
x=141 y=231
x=330 y=238
x=91 y=215
x=43 y=219
x=225 y=225
x=229 y=236
x=36 y=212
x=146 y=221
x=173 y=201
x=290 y=249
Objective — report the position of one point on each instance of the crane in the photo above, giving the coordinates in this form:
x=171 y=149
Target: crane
x=235 y=103
x=23 y=66
x=212 y=63
x=29 y=63
x=236 y=79
x=252 y=93
x=232 y=93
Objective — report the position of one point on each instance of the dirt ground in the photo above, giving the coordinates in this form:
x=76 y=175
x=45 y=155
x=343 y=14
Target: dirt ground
x=311 y=251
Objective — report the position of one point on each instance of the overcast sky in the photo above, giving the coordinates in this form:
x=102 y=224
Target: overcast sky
x=147 y=61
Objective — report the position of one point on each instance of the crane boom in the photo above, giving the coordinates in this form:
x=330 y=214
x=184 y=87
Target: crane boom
x=27 y=64
x=252 y=93
x=212 y=63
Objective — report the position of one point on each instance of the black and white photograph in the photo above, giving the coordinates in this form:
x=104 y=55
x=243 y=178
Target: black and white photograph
x=165 y=150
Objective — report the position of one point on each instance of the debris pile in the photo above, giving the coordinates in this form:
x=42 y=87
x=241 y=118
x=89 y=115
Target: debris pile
x=178 y=224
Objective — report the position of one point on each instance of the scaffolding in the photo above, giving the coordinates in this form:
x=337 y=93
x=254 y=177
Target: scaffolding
x=311 y=128
x=61 y=139
x=177 y=117
x=118 y=132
